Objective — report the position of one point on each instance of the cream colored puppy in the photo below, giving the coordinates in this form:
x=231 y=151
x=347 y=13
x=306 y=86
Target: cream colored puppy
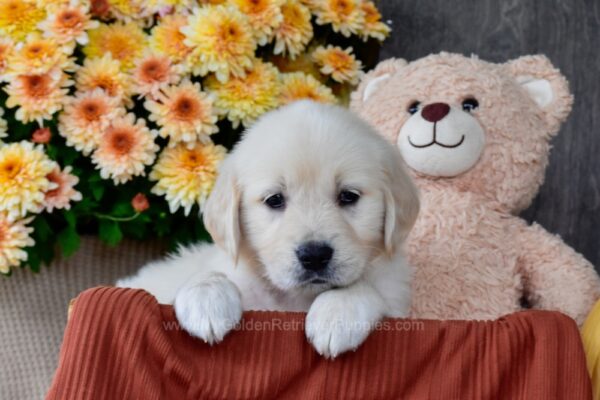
x=309 y=213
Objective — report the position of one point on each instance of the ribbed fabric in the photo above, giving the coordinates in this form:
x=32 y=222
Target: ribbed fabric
x=121 y=344
x=33 y=311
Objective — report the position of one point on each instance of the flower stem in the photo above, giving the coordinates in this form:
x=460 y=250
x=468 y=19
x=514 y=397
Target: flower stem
x=117 y=219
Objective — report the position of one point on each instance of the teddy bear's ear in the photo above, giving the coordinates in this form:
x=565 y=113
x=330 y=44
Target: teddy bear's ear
x=546 y=86
x=373 y=80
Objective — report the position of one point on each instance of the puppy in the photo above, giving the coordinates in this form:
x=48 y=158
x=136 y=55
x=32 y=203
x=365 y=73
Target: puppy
x=308 y=213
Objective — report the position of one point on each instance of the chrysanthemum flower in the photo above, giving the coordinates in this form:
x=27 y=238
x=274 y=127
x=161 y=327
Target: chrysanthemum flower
x=294 y=33
x=3 y=125
x=153 y=73
x=373 y=27
x=68 y=25
x=245 y=99
x=129 y=10
x=302 y=63
x=345 y=16
x=19 y=18
x=38 y=55
x=41 y=135
x=64 y=193
x=298 y=85
x=184 y=113
x=264 y=16
x=164 y=7
x=14 y=237
x=23 y=178
x=221 y=40
x=104 y=73
x=166 y=38
x=339 y=63
x=126 y=147
x=6 y=50
x=185 y=175
x=125 y=42
x=86 y=116
x=37 y=96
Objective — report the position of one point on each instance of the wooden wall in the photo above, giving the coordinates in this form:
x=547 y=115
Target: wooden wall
x=568 y=32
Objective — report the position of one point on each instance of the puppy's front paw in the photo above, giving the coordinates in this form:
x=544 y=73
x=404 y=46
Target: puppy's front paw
x=209 y=309
x=335 y=323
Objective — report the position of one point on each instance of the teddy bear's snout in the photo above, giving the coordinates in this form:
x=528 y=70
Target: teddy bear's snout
x=435 y=112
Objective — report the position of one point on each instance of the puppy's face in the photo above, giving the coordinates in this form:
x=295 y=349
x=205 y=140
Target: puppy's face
x=314 y=196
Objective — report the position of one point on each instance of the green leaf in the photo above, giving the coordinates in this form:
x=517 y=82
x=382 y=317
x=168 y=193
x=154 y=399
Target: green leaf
x=34 y=261
x=69 y=241
x=98 y=191
x=110 y=232
x=41 y=228
x=70 y=218
x=122 y=210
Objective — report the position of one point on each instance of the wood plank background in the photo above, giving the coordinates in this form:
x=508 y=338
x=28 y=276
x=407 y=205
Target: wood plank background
x=568 y=32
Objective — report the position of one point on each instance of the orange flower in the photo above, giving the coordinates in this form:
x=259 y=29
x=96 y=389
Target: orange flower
x=41 y=136
x=140 y=202
x=154 y=73
x=64 y=193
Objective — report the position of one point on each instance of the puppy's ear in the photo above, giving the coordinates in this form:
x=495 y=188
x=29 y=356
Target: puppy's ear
x=401 y=204
x=222 y=209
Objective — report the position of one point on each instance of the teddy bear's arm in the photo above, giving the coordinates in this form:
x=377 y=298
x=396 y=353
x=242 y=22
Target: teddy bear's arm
x=556 y=277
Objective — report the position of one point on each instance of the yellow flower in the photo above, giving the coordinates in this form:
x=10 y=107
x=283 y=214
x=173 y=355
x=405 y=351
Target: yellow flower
x=23 y=178
x=339 y=63
x=297 y=86
x=14 y=236
x=166 y=38
x=245 y=99
x=125 y=42
x=104 y=73
x=129 y=10
x=61 y=197
x=38 y=55
x=184 y=113
x=264 y=17
x=302 y=63
x=3 y=126
x=294 y=33
x=38 y=96
x=221 y=40
x=6 y=50
x=125 y=148
x=85 y=118
x=153 y=73
x=68 y=24
x=373 y=26
x=345 y=16
x=185 y=175
x=19 y=18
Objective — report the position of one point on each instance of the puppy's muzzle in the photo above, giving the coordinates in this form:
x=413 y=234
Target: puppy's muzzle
x=314 y=256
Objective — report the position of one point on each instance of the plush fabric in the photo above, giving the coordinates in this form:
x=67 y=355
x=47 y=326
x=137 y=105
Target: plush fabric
x=121 y=344
x=33 y=310
x=473 y=257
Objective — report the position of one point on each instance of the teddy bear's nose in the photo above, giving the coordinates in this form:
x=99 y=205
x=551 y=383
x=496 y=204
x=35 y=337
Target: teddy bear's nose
x=435 y=112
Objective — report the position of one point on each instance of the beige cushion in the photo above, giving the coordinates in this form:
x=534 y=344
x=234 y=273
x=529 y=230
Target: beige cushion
x=33 y=310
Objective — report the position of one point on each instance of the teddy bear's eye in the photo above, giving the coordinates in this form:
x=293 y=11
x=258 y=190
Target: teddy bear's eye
x=413 y=108
x=470 y=104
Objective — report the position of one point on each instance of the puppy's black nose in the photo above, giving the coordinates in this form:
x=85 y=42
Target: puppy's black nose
x=314 y=256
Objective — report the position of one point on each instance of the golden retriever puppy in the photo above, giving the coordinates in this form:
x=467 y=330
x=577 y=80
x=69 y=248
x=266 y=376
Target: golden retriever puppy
x=308 y=214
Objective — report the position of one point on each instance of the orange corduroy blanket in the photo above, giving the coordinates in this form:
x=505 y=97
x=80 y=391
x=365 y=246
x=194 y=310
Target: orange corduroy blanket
x=121 y=344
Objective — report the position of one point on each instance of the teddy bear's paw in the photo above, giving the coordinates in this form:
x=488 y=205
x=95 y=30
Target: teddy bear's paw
x=209 y=309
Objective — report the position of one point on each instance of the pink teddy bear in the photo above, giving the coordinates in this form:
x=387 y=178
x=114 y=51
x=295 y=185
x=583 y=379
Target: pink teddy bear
x=476 y=137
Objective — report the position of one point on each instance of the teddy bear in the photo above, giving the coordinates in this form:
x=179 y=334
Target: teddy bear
x=476 y=137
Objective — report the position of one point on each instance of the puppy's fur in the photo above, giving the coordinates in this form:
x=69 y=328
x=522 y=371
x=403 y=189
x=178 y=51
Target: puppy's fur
x=308 y=154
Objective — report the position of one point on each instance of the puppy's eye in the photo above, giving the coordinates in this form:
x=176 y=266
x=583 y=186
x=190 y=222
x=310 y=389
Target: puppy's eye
x=275 y=201
x=414 y=107
x=470 y=104
x=348 y=197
